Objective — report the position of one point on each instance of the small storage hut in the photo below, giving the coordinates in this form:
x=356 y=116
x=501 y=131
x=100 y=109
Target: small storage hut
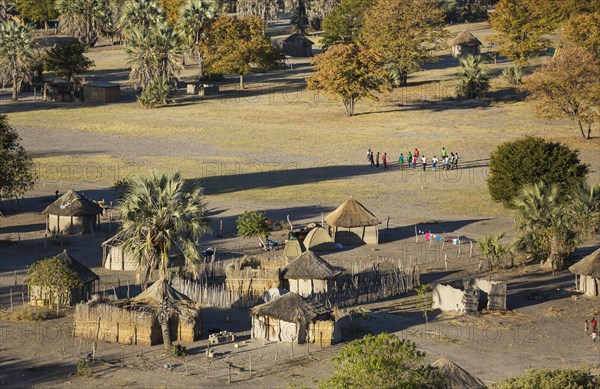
x=135 y=321
x=588 y=270
x=114 y=256
x=291 y=318
x=72 y=213
x=318 y=239
x=464 y=44
x=41 y=297
x=353 y=224
x=297 y=45
x=456 y=377
x=101 y=92
x=308 y=274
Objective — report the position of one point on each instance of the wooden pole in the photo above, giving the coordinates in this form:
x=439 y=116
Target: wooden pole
x=446 y=260
x=470 y=249
x=276 y=352
x=228 y=372
x=250 y=357
x=416 y=235
x=11 y=300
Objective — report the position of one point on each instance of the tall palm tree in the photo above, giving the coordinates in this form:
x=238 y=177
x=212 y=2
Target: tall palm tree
x=154 y=53
x=160 y=213
x=473 y=79
x=195 y=16
x=16 y=55
x=543 y=215
x=84 y=19
x=142 y=14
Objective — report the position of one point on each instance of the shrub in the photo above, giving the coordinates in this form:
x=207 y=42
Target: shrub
x=157 y=94
x=552 y=379
x=52 y=275
x=473 y=80
x=84 y=369
x=530 y=160
x=179 y=351
x=254 y=224
x=513 y=74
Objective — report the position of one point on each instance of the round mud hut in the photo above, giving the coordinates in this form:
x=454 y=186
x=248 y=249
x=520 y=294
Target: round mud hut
x=308 y=274
x=588 y=270
x=456 y=377
x=464 y=44
x=291 y=318
x=72 y=213
x=353 y=224
x=318 y=239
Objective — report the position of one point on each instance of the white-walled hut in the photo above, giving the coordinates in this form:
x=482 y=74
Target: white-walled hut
x=115 y=257
x=587 y=274
x=464 y=44
x=308 y=274
x=72 y=213
x=291 y=318
x=101 y=92
x=41 y=296
x=318 y=239
x=353 y=224
x=297 y=45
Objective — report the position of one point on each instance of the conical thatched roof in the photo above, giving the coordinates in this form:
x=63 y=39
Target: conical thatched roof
x=84 y=273
x=73 y=203
x=153 y=295
x=351 y=214
x=588 y=266
x=291 y=308
x=309 y=266
x=456 y=377
x=465 y=38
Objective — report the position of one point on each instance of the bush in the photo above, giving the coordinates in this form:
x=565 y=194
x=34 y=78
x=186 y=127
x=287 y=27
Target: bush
x=254 y=224
x=530 y=160
x=513 y=74
x=179 y=351
x=552 y=379
x=473 y=79
x=84 y=369
x=158 y=94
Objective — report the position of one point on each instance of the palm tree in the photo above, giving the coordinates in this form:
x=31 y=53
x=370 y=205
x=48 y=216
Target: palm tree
x=84 y=19
x=543 y=215
x=142 y=14
x=15 y=55
x=493 y=250
x=473 y=79
x=154 y=53
x=584 y=209
x=161 y=213
x=194 y=18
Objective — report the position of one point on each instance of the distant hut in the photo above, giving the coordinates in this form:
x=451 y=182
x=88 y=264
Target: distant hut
x=293 y=248
x=464 y=44
x=101 y=92
x=318 y=239
x=353 y=224
x=297 y=45
x=115 y=257
x=135 y=321
x=456 y=377
x=588 y=270
x=41 y=296
x=291 y=318
x=309 y=274
x=72 y=213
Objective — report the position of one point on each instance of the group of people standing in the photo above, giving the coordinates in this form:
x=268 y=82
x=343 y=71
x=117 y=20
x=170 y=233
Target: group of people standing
x=594 y=324
x=414 y=158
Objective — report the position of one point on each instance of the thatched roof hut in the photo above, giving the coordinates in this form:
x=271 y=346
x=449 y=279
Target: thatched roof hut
x=40 y=296
x=135 y=321
x=115 y=257
x=464 y=44
x=456 y=377
x=309 y=273
x=588 y=270
x=72 y=213
x=360 y=223
x=291 y=318
x=318 y=239
x=297 y=45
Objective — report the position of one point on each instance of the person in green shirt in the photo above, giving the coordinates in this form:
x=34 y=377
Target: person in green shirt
x=444 y=154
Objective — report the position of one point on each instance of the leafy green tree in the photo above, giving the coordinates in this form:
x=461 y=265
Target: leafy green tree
x=344 y=22
x=237 y=46
x=40 y=11
x=424 y=299
x=519 y=29
x=406 y=33
x=161 y=213
x=16 y=166
x=349 y=72
x=16 y=57
x=67 y=59
x=493 y=251
x=542 y=216
x=195 y=17
x=530 y=160
x=154 y=53
x=584 y=31
x=473 y=79
x=383 y=362
x=86 y=20
x=568 y=86
x=141 y=15
x=552 y=379
x=254 y=224
x=53 y=276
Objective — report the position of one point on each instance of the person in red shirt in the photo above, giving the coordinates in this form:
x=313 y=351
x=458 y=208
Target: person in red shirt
x=416 y=153
x=384 y=160
x=594 y=324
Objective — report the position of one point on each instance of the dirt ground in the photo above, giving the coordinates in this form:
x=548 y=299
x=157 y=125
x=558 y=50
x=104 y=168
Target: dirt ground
x=278 y=148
